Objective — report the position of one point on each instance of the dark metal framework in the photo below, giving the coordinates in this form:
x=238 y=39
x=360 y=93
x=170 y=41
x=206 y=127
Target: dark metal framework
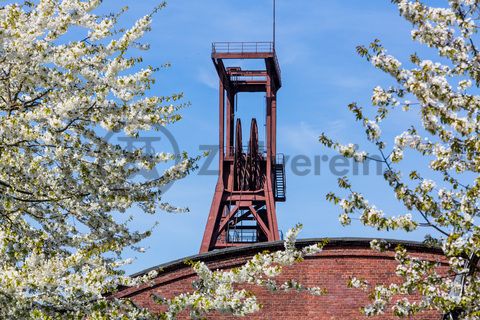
x=250 y=180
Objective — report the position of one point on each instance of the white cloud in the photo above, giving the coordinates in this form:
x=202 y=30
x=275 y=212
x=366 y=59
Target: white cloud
x=300 y=137
x=208 y=78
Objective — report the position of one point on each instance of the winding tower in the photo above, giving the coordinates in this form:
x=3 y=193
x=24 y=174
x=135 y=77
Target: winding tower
x=251 y=178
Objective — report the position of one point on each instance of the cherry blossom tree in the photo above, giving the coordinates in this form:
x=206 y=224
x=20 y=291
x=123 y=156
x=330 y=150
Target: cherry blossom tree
x=64 y=187
x=442 y=94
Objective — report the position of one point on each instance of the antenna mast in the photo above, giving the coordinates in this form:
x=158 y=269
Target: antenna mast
x=274 y=21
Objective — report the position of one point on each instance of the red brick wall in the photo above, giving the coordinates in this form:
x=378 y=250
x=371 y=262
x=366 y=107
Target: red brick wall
x=330 y=269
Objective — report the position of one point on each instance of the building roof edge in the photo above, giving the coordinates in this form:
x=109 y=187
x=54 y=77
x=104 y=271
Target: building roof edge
x=278 y=245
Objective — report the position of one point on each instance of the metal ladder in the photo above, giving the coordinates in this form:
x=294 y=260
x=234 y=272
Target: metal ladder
x=279 y=180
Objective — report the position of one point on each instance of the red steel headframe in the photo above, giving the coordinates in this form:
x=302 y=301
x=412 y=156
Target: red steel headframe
x=250 y=180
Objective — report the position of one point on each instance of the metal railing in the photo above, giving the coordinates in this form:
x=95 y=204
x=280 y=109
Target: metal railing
x=242 y=47
x=230 y=151
x=247 y=78
x=247 y=47
x=280 y=159
x=242 y=236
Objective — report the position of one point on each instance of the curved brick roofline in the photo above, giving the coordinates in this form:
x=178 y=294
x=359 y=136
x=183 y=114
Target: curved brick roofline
x=278 y=245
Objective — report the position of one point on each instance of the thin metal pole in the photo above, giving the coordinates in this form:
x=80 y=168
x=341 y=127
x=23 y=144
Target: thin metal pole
x=274 y=22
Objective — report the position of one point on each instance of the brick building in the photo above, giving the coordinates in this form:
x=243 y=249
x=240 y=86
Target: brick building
x=330 y=269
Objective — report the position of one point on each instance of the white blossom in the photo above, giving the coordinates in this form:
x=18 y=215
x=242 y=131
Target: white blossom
x=61 y=182
x=218 y=290
x=446 y=133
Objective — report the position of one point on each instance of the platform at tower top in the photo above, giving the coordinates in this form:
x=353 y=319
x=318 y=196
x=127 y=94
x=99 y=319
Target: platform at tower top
x=247 y=50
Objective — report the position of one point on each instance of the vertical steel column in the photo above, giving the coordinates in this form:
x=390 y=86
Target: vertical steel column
x=268 y=130
x=221 y=130
x=230 y=122
x=274 y=122
x=269 y=197
x=215 y=210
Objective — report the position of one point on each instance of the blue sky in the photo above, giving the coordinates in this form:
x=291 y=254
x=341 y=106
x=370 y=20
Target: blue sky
x=322 y=74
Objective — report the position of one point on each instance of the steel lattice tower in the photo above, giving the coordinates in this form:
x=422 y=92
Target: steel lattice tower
x=251 y=180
